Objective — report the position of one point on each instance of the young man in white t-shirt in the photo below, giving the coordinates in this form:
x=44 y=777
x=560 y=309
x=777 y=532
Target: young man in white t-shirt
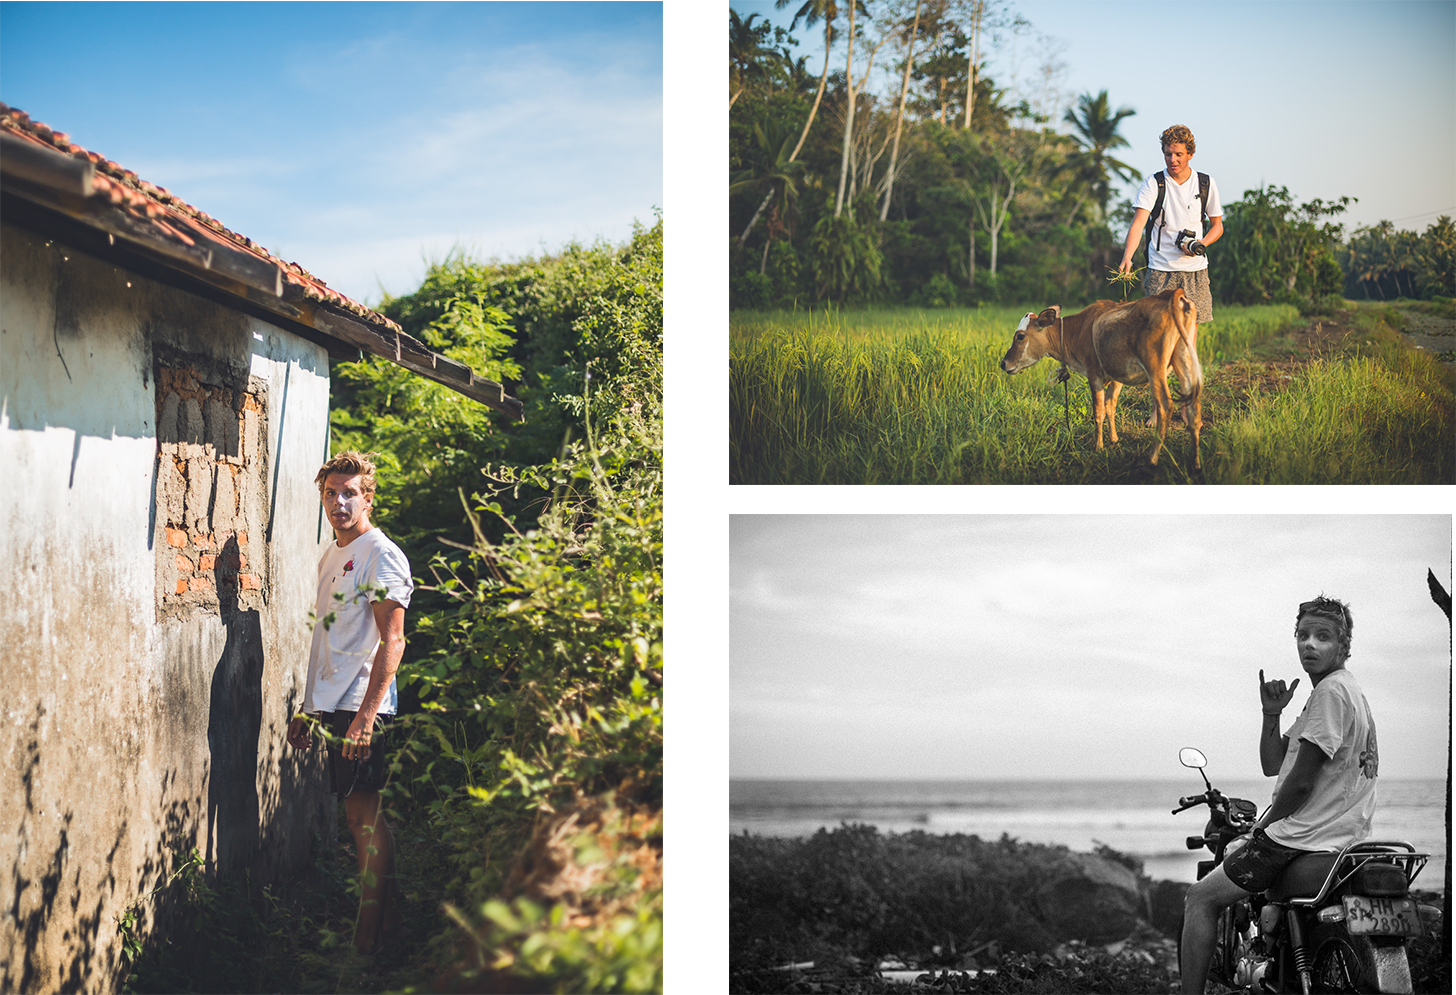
x=364 y=586
x=1325 y=796
x=1170 y=264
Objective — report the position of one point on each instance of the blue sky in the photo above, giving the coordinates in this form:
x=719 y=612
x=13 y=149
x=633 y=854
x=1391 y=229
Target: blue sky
x=360 y=139
x=1066 y=646
x=1325 y=98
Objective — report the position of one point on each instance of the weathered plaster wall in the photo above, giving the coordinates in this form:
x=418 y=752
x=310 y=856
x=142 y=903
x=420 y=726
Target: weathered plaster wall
x=146 y=699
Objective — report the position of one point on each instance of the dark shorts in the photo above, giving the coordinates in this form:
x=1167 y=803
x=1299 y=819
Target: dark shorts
x=1256 y=866
x=1194 y=283
x=349 y=776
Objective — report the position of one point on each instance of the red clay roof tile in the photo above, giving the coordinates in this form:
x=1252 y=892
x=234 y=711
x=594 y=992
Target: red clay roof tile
x=175 y=217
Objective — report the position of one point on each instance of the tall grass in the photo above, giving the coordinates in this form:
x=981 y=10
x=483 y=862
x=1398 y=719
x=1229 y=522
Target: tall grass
x=1383 y=416
x=904 y=396
x=915 y=397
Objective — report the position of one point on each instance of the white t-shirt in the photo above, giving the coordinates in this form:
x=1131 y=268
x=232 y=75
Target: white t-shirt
x=1339 y=810
x=1180 y=210
x=342 y=654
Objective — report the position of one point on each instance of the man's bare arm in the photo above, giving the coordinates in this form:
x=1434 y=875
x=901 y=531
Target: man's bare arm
x=389 y=616
x=1273 y=696
x=1273 y=745
x=1215 y=231
x=1134 y=237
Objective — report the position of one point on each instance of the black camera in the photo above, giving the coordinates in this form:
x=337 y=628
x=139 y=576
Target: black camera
x=1188 y=238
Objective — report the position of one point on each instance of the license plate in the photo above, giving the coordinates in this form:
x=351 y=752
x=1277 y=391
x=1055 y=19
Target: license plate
x=1381 y=916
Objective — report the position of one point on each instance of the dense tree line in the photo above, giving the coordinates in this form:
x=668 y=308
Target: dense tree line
x=902 y=172
x=1381 y=263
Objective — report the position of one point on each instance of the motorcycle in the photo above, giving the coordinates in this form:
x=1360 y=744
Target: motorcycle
x=1332 y=922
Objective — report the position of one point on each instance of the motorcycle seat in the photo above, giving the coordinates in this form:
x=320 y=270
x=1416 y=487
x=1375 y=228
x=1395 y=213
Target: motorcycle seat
x=1303 y=877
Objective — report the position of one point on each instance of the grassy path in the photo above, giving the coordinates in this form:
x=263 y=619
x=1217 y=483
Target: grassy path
x=915 y=397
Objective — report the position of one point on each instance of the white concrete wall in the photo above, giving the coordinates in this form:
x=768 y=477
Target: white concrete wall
x=114 y=719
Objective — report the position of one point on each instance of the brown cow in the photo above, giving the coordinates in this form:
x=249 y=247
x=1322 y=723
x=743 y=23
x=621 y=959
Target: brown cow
x=1112 y=344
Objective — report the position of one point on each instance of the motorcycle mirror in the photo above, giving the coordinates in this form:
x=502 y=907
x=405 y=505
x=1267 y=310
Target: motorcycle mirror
x=1189 y=757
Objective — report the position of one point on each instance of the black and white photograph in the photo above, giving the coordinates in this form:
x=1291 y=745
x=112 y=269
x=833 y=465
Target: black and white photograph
x=1010 y=752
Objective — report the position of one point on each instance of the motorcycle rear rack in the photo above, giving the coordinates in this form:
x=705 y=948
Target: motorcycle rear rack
x=1357 y=855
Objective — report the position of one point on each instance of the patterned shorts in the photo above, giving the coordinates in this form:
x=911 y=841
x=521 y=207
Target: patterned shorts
x=1255 y=866
x=1194 y=283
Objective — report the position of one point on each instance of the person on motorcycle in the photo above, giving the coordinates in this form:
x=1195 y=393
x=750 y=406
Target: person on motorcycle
x=1324 y=798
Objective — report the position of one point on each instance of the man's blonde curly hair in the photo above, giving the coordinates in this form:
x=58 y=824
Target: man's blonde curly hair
x=350 y=464
x=1179 y=135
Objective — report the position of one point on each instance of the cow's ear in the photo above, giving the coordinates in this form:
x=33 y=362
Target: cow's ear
x=1050 y=315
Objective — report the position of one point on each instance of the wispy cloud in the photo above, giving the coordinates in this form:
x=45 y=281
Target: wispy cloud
x=1061 y=627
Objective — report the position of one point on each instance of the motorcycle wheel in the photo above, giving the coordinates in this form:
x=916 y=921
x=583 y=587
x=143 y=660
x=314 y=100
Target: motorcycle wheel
x=1344 y=966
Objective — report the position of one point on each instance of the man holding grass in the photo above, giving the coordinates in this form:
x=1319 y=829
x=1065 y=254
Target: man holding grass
x=1171 y=264
x=364 y=586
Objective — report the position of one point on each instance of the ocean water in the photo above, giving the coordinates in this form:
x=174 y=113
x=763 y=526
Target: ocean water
x=1134 y=817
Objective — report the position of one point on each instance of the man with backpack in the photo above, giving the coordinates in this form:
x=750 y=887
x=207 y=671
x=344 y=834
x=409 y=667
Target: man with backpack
x=1172 y=207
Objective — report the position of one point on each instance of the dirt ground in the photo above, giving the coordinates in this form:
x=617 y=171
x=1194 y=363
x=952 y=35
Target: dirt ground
x=1436 y=334
x=1323 y=337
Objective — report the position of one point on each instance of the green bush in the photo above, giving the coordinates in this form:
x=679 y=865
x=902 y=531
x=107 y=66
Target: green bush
x=853 y=891
x=938 y=291
x=539 y=676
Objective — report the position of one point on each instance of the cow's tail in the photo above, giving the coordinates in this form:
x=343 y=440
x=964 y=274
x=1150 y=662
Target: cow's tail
x=1185 y=319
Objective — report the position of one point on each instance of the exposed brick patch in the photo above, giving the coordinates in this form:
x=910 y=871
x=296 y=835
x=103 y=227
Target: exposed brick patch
x=210 y=488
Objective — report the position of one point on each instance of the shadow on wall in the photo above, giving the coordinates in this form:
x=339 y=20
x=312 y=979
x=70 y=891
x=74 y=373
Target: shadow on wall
x=252 y=836
x=86 y=896
x=235 y=718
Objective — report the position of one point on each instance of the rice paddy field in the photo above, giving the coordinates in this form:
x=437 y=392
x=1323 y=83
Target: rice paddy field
x=910 y=396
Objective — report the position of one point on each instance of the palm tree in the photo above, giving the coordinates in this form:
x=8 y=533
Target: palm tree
x=854 y=6
x=1096 y=135
x=812 y=12
x=744 y=51
x=777 y=171
x=799 y=79
x=978 y=13
x=900 y=114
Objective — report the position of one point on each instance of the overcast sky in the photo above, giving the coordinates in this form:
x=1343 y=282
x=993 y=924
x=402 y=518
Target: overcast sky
x=1356 y=97
x=359 y=139
x=1052 y=646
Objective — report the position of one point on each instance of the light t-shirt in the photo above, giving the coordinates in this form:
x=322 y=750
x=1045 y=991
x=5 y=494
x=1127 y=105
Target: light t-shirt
x=1339 y=810
x=342 y=654
x=1180 y=210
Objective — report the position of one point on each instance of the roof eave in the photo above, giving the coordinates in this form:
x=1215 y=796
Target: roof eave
x=63 y=184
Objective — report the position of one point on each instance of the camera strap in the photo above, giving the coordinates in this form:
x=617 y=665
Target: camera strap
x=1157 y=211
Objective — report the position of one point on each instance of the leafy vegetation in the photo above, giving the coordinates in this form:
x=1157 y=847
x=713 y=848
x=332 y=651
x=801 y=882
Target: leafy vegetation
x=1383 y=263
x=916 y=178
x=852 y=898
x=526 y=797
x=824 y=913
x=916 y=896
